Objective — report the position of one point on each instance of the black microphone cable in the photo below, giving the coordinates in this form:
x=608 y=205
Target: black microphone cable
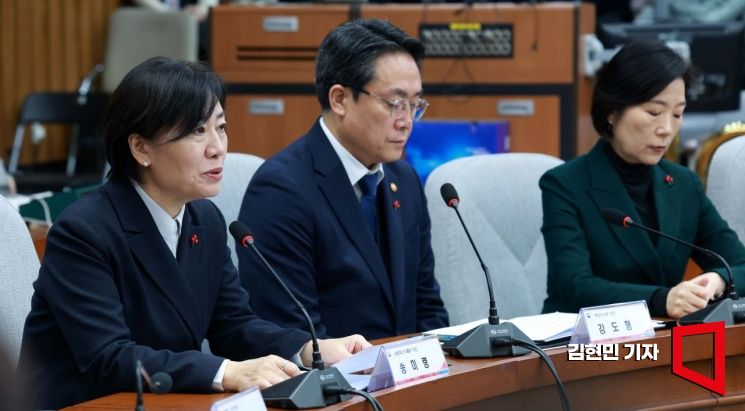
x=508 y=337
x=536 y=349
x=376 y=406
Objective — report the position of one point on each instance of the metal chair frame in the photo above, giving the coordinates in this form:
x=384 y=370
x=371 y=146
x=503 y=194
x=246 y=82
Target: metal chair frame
x=58 y=108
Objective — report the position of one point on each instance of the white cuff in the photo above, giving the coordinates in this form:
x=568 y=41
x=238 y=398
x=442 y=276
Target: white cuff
x=217 y=382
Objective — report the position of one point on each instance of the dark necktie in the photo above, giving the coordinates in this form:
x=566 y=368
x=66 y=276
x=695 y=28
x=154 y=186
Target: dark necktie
x=369 y=186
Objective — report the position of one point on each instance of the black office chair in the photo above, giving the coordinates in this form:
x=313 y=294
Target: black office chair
x=84 y=115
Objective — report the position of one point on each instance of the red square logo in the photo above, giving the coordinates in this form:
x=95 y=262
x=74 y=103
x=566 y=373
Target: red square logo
x=717 y=384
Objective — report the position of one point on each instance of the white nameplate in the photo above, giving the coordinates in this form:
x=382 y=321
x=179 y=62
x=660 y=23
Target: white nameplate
x=266 y=106
x=407 y=360
x=511 y=107
x=613 y=323
x=281 y=24
x=249 y=400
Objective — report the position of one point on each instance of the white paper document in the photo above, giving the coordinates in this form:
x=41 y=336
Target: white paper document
x=543 y=327
x=352 y=367
x=546 y=327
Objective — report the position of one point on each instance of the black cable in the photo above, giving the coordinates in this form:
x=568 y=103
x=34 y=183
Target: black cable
x=559 y=385
x=376 y=406
x=366 y=395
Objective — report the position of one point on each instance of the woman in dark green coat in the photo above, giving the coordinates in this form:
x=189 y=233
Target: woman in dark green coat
x=637 y=109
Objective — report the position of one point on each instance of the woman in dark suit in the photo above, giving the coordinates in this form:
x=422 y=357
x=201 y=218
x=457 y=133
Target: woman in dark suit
x=637 y=109
x=140 y=269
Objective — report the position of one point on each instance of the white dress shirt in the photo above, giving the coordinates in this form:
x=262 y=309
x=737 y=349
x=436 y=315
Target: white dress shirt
x=354 y=168
x=170 y=229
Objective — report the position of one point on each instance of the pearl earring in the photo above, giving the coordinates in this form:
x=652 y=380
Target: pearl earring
x=145 y=163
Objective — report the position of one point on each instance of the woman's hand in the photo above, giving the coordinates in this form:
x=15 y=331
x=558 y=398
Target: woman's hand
x=693 y=295
x=713 y=282
x=334 y=350
x=264 y=372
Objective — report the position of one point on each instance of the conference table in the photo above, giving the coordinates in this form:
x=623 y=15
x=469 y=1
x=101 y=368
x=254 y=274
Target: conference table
x=525 y=383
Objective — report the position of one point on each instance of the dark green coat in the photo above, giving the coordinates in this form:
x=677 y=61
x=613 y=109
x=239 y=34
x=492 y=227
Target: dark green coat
x=591 y=262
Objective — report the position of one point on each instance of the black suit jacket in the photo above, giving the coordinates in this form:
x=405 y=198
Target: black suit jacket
x=110 y=292
x=309 y=224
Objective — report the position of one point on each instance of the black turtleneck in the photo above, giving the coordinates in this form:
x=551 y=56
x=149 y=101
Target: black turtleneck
x=637 y=179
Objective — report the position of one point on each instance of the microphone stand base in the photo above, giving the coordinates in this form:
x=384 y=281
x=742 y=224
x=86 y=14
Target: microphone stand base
x=486 y=341
x=306 y=390
x=728 y=310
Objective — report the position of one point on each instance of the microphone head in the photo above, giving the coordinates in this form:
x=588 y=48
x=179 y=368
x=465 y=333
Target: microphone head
x=449 y=195
x=160 y=383
x=614 y=216
x=241 y=233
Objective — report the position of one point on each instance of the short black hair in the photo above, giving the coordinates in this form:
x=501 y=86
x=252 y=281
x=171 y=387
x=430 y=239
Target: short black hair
x=637 y=73
x=160 y=95
x=348 y=54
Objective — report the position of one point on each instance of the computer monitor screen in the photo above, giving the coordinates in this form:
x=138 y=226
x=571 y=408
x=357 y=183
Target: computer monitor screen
x=434 y=142
x=717 y=53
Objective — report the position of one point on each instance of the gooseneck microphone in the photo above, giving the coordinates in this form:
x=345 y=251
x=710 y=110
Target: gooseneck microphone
x=453 y=201
x=318 y=387
x=159 y=383
x=619 y=218
x=245 y=237
x=493 y=339
x=727 y=309
x=487 y=340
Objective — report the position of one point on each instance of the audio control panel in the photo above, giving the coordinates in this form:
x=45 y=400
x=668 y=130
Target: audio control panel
x=467 y=40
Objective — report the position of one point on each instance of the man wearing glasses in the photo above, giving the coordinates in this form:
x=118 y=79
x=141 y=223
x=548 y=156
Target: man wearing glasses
x=337 y=213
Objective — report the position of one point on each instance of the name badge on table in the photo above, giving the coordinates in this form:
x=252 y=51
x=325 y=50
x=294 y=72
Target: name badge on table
x=407 y=360
x=613 y=323
x=249 y=400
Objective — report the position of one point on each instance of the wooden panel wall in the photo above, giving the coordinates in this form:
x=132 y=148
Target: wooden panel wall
x=248 y=56
x=46 y=45
x=586 y=134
